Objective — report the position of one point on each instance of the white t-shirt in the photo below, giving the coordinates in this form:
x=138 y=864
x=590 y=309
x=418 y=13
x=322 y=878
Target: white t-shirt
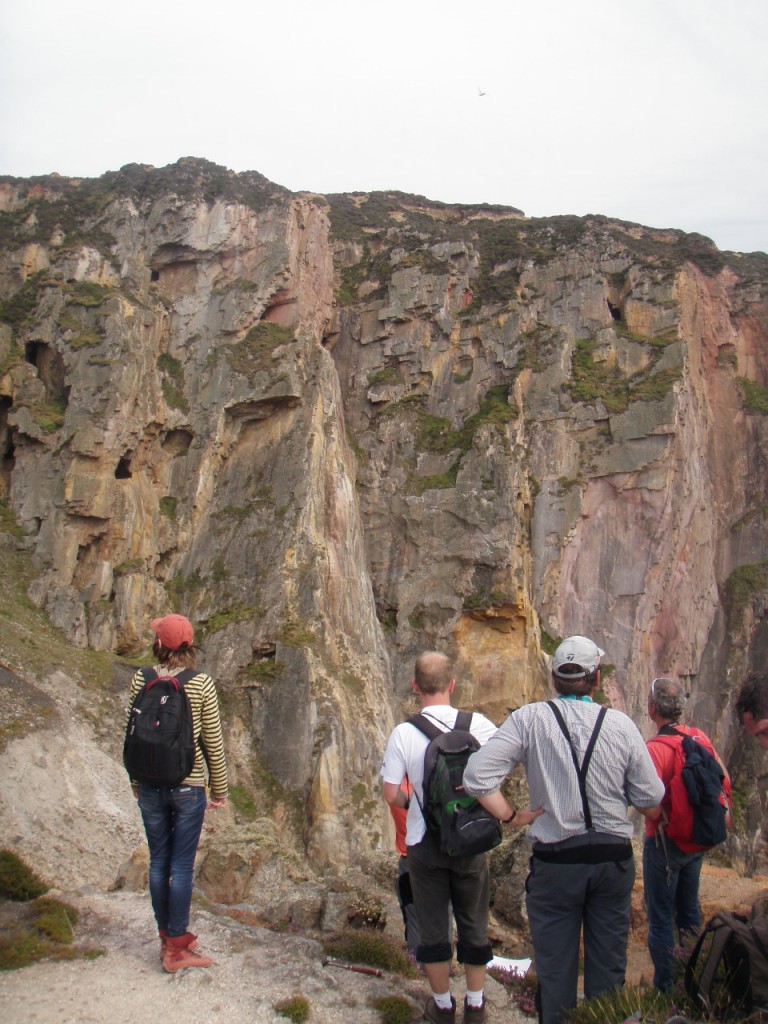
x=405 y=756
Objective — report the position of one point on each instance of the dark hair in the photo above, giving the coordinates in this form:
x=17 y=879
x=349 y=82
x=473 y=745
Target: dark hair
x=581 y=686
x=753 y=697
x=433 y=673
x=178 y=657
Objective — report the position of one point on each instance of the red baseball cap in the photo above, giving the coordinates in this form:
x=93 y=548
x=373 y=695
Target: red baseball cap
x=172 y=631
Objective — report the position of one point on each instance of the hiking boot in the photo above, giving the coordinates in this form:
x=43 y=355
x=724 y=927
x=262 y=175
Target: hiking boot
x=474 y=1014
x=192 y=944
x=179 y=954
x=433 y=1012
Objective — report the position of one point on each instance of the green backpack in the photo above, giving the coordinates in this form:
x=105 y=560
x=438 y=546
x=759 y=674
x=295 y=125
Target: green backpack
x=461 y=824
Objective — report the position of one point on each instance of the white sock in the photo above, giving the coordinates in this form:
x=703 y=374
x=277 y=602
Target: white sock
x=443 y=1000
x=475 y=998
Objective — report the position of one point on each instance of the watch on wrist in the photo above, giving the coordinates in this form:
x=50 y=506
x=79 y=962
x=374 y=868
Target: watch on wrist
x=506 y=821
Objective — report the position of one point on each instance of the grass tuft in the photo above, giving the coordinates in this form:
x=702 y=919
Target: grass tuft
x=364 y=946
x=296 y=1008
x=393 y=1009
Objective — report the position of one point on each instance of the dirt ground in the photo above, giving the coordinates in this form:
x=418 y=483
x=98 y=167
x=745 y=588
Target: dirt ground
x=254 y=968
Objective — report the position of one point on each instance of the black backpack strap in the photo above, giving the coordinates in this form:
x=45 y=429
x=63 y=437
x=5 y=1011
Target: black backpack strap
x=432 y=731
x=670 y=730
x=581 y=769
x=423 y=724
x=183 y=677
x=148 y=675
x=463 y=720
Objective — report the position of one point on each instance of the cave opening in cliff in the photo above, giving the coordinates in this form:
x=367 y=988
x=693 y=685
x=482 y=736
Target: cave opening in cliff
x=614 y=310
x=154 y=275
x=32 y=352
x=50 y=369
x=7 y=446
x=123 y=470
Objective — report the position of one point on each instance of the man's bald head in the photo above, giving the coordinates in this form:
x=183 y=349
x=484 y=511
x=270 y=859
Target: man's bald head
x=433 y=673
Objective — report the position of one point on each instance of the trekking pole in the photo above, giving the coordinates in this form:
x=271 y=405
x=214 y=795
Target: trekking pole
x=329 y=961
x=664 y=821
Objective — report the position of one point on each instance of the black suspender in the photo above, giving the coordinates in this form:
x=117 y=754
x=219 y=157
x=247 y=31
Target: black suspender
x=581 y=770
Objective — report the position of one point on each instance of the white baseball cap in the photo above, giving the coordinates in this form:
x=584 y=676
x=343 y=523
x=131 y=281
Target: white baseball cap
x=577 y=651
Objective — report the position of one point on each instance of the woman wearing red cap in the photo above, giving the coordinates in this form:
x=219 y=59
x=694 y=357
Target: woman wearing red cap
x=173 y=816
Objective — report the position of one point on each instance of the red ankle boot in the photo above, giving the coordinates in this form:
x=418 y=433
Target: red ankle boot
x=179 y=953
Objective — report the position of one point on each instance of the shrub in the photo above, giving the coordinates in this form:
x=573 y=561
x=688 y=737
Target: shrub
x=521 y=987
x=367 y=912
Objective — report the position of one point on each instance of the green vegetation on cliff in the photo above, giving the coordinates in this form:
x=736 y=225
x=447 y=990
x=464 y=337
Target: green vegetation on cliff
x=601 y=380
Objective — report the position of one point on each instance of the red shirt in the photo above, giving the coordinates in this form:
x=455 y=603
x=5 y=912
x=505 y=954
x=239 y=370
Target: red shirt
x=663 y=756
x=399 y=814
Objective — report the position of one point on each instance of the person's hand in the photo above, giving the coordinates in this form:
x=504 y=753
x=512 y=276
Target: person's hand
x=215 y=802
x=526 y=817
x=135 y=790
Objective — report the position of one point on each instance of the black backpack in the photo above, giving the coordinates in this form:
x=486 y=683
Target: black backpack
x=699 y=793
x=462 y=825
x=727 y=971
x=159 y=746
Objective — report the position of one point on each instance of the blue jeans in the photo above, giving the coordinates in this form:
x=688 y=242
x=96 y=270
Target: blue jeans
x=672 y=901
x=173 y=821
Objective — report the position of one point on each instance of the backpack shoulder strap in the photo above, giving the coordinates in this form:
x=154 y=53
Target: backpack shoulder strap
x=670 y=730
x=717 y=933
x=148 y=675
x=581 y=769
x=185 y=675
x=423 y=724
x=463 y=720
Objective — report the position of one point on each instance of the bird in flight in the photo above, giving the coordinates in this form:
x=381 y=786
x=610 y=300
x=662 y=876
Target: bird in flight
x=480 y=92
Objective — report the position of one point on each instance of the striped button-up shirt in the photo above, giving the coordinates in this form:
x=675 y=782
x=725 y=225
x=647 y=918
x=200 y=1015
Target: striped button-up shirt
x=620 y=773
x=204 y=702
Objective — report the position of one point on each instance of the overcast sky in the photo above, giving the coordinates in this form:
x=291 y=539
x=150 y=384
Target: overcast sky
x=652 y=111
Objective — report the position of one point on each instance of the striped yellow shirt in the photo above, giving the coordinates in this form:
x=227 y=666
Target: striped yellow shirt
x=204 y=702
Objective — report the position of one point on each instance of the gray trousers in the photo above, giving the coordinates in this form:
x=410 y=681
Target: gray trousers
x=560 y=900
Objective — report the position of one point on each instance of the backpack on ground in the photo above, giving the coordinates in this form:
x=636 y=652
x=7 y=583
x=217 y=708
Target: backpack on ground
x=159 y=747
x=699 y=792
x=727 y=972
x=462 y=825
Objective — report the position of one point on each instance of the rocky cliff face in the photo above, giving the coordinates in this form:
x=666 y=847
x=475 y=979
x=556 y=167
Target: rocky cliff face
x=335 y=431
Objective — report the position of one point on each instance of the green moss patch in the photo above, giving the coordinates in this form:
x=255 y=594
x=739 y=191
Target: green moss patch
x=741 y=587
x=18 y=882
x=254 y=353
x=755 y=396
